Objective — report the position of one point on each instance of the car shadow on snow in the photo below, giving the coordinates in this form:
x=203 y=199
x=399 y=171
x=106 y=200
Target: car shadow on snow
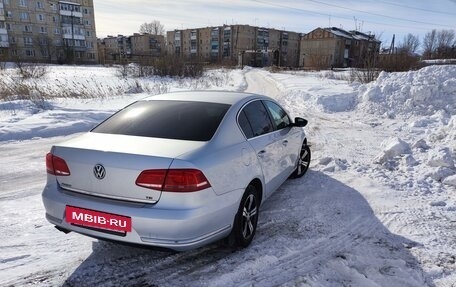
x=313 y=231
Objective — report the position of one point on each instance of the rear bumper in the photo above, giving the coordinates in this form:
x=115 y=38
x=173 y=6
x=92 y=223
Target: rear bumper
x=161 y=224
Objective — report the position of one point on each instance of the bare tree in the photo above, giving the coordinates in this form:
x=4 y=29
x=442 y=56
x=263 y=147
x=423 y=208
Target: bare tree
x=430 y=44
x=154 y=28
x=46 y=47
x=410 y=44
x=446 y=40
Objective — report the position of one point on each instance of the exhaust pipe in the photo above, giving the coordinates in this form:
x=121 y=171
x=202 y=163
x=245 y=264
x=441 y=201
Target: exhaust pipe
x=66 y=231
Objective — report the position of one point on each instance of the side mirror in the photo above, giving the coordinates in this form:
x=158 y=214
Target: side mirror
x=300 y=122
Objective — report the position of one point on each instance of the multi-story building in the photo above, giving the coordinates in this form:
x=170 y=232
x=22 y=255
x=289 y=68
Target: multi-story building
x=241 y=44
x=47 y=30
x=146 y=46
x=135 y=48
x=335 y=47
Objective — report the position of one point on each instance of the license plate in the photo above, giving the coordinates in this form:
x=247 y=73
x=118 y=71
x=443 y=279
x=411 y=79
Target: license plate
x=97 y=219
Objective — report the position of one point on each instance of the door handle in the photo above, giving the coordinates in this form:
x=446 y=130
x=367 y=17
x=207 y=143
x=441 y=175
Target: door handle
x=285 y=142
x=261 y=153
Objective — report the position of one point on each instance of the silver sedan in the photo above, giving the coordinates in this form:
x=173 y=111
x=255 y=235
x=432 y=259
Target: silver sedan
x=177 y=170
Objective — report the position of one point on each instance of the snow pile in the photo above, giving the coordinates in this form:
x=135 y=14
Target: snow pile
x=422 y=92
x=392 y=148
x=322 y=91
x=337 y=103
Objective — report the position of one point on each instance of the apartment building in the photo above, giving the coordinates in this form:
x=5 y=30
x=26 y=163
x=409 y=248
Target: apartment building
x=135 y=48
x=335 y=47
x=48 y=31
x=242 y=44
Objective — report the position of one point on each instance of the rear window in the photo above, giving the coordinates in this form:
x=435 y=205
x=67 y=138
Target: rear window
x=182 y=120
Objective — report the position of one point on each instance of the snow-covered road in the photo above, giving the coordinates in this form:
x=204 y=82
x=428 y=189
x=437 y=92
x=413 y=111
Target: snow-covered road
x=346 y=223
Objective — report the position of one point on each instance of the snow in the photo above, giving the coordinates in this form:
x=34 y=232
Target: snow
x=393 y=148
x=422 y=92
x=377 y=207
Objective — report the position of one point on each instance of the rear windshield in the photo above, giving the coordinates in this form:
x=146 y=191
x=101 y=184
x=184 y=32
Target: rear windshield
x=182 y=120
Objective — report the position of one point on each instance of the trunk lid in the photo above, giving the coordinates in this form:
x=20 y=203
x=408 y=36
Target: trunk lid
x=107 y=165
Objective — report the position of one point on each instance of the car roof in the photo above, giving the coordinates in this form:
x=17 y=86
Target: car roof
x=223 y=97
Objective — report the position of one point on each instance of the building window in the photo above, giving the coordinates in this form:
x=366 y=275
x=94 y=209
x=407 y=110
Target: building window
x=91 y=56
x=56 y=31
x=8 y=26
x=40 y=17
x=2 y=25
x=12 y=39
x=87 y=22
x=58 y=42
x=23 y=3
x=54 y=19
x=88 y=33
x=7 y=2
x=14 y=52
x=24 y=16
x=28 y=41
x=89 y=44
x=53 y=6
x=86 y=11
x=69 y=7
x=9 y=14
x=43 y=41
x=66 y=30
x=28 y=29
x=30 y=53
x=39 y=5
x=43 y=30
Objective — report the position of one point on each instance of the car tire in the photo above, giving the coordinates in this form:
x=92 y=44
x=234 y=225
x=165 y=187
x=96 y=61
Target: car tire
x=246 y=219
x=303 y=162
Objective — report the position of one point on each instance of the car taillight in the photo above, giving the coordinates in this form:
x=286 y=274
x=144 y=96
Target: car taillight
x=56 y=165
x=174 y=180
x=153 y=179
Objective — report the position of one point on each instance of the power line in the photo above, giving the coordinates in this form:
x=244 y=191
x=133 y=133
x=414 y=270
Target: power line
x=376 y=14
x=329 y=15
x=416 y=8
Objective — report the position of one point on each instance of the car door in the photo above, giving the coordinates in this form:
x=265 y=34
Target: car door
x=290 y=139
x=258 y=128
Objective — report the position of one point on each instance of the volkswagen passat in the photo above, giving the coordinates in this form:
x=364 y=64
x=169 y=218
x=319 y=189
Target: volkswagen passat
x=177 y=170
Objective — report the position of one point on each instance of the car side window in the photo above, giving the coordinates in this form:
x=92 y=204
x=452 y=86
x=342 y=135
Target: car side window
x=259 y=119
x=245 y=125
x=279 y=116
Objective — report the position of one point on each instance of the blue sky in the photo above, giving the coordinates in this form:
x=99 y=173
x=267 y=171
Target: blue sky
x=381 y=17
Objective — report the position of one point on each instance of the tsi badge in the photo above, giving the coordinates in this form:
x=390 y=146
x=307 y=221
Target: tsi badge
x=99 y=171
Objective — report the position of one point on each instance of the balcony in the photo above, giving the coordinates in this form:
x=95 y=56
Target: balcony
x=79 y=48
x=3 y=31
x=4 y=40
x=73 y=36
x=71 y=13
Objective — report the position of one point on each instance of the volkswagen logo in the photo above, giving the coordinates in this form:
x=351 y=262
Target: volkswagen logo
x=99 y=171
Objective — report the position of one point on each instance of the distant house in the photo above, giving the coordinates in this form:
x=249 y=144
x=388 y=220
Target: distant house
x=335 y=47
